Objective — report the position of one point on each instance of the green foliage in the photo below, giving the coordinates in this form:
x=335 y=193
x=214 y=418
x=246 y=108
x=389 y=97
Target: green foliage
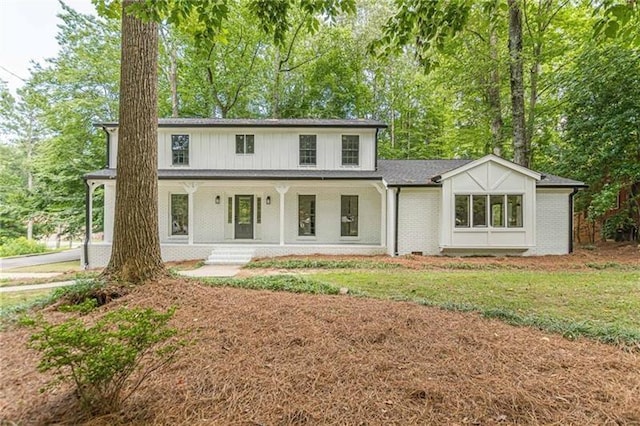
x=106 y=361
x=18 y=246
x=311 y=263
x=290 y=283
x=601 y=135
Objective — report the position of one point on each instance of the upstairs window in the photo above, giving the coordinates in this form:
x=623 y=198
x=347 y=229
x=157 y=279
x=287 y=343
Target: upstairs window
x=180 y=150
x=307 y=215
x=494 y=211
x=244 y=144
x=349 y=216
x=350 y=150
x=307 y=150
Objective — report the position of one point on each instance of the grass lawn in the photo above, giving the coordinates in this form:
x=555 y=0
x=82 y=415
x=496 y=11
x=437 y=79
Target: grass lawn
x=22 y=297
x=602 y=304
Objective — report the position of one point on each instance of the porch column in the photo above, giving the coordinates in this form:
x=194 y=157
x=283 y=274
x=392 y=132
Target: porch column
x=190 y=189
x=282 y=190
x=383 y=213
x=92 y=188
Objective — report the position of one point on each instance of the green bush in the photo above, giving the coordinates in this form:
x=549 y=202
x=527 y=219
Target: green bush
x=18 y=246
x=103 y=360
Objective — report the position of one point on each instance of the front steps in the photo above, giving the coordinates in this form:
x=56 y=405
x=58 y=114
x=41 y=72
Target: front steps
x=230 y=256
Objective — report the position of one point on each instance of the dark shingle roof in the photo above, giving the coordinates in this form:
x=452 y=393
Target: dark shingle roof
x=394 y=173
x=416 y=172
x=421 y=173
x=266 y=122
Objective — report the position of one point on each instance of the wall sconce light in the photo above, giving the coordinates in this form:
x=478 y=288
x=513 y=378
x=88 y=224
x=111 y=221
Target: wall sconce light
x=268 y=200
x=217 y=199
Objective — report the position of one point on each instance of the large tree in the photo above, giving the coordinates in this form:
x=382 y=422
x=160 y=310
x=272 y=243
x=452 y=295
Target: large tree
x=135 y=253
x=136 y=249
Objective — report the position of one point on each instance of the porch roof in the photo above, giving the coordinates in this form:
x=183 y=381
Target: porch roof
x=394 y=172
x=208 y=174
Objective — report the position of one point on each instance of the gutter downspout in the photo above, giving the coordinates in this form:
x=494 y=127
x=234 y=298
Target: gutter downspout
x=395 y=239
x=108 y=147
x=87 y=194
x=573 y=193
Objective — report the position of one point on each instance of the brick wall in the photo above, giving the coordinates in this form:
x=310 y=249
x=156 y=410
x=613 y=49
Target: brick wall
x=418 y=221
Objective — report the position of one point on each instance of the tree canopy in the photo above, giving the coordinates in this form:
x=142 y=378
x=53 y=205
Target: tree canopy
x=437 y=72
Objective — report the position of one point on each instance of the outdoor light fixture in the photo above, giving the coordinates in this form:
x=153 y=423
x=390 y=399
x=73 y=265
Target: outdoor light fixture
x=217 y=199
x=268 y=200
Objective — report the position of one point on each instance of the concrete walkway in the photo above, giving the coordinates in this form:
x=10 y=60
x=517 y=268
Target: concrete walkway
x=40 y=259
x=213 y=271
x=203 y=271
x=27 y=275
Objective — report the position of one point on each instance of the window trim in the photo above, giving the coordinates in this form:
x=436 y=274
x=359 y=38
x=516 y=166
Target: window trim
x=357 y=217
x=313 y=221
x=188 y=135
x=244 y=141
x=171 y=234
x=342 y=151
x=315 y=151
x=488 y=213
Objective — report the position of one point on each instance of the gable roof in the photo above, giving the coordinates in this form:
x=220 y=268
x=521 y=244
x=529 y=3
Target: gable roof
x=359 y=123
x=428 y=172
x=494 y=159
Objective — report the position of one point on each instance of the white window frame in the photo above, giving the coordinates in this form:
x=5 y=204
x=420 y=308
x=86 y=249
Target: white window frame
x=188 y=135
x=489 y=225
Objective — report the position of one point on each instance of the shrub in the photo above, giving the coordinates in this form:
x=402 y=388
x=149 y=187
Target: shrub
x=18 y=246
x=117 y=353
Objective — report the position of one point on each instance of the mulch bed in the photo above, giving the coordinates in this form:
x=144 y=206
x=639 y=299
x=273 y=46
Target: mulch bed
x=263 y=358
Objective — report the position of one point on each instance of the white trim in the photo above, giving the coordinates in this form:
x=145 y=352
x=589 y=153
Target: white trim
x=493 y=158
x=179 y=166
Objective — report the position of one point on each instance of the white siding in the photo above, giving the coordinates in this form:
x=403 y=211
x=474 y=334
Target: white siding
x=553 y=222
x=488 y=178
x=275 y=148
x=419 y=215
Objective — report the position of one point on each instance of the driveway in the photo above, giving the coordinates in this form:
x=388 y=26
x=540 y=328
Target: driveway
x=41 y=259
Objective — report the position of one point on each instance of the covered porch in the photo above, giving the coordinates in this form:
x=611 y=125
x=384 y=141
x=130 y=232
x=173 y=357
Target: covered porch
x=199 y=218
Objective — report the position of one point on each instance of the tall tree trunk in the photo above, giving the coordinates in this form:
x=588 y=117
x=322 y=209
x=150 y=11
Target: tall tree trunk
x=493 y=95
x=135 y=255
x=275 y=99
x=520 y=151
x=173 y=82
x=533 y=97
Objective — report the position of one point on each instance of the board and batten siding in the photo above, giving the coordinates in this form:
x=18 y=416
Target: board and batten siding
x=275 y=148
x=488 y=178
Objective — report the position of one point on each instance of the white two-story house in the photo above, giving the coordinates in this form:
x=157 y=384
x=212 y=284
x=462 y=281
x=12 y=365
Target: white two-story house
x=231 y=189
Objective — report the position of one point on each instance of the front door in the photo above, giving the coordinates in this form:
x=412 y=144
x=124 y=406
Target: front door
x=244 y=217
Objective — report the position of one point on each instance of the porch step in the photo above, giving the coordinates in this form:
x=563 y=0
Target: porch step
x=230 y=256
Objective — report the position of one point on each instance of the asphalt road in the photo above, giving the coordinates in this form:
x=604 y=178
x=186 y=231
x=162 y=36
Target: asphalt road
x=41 y=259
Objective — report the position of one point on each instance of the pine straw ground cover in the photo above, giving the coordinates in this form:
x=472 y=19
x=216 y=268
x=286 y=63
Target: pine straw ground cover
x=274 y=358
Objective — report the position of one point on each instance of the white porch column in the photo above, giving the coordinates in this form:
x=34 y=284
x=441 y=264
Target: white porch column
x=191 y=189
x=281 y=191
x=383 y=213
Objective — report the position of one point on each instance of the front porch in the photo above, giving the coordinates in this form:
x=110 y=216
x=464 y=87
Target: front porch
x=263 y=217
